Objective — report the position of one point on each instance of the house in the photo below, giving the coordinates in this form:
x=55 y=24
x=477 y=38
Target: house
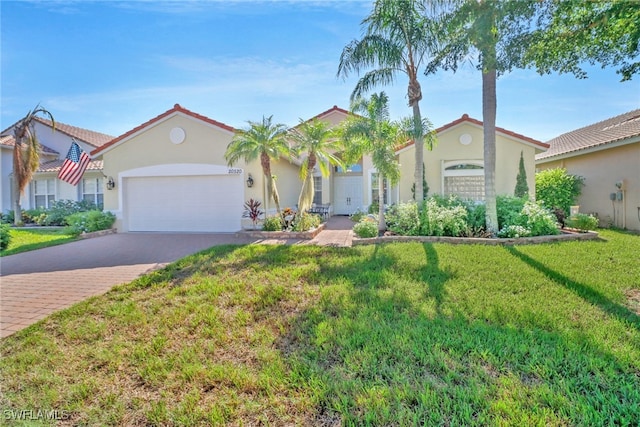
x=45 y=187
x=170 y=173
x=607 y=155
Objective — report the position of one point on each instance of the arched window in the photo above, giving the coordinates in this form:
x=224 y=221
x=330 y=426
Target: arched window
x=464 y=178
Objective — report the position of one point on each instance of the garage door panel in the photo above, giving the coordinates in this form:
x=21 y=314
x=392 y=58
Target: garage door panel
x=184 y=203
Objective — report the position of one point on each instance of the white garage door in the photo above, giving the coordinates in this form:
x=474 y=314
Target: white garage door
x=212 y=203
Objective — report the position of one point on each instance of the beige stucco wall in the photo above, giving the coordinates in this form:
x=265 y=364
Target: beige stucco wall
x=449 y=148
x=601 y=170
x=203 y=144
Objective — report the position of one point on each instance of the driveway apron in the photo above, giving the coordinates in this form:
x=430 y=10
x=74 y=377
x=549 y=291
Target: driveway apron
x=35 y=284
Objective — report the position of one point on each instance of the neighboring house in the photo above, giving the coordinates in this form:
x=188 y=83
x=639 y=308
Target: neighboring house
x=45 y=187
x=607 y=155
x=170 y=173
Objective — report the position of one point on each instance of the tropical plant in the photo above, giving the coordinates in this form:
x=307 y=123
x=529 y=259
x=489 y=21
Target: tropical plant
x=272 y=223
x=558 y=189
x=265 y=140
x=404 y=219
x=316 y=140
x=26 y=155
x=253 y=211
x=497 y=33
x=305 y=221
x=372 y=132
x=522 y=188
x=397 y=39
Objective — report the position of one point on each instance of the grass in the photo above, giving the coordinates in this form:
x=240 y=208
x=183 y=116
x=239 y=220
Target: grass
x=23 y=240
x=394 y=334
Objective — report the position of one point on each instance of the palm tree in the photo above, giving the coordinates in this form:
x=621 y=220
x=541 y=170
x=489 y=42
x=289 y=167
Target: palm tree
x=372 y=132
x=320 y=143
x=26 y=155
x=398 y=39
x=498 y=32
x=266 y=140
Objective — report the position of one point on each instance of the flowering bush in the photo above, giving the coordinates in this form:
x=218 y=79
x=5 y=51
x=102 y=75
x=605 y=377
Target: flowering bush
x=512 y=231
x=403 y=219
x=438 y=220
x=90 y=221
x=367 y=227
x=537 y=219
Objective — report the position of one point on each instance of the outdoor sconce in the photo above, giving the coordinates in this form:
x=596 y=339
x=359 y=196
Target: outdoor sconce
x=111 y=184
x=249 y=181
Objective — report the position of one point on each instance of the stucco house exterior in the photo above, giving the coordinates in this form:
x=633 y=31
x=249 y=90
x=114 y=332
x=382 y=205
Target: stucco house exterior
x=170 y=173
x=45 y=187
x=607 y=155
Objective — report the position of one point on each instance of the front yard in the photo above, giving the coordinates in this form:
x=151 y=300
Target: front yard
x=393 y=334
x=29 y=239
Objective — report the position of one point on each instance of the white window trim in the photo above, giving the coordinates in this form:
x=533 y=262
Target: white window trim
x=370 y=188
x=33 y=192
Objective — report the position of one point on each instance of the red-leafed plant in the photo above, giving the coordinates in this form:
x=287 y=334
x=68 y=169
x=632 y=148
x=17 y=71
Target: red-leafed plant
x=253 y=211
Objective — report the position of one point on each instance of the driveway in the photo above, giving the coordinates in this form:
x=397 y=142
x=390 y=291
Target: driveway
x=35 y=284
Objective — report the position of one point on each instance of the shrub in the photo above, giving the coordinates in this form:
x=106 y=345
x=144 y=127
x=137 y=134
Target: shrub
x=32 y=216
x=272 y=223
x=582 y=222
x=558 y=189
x=5 y=236
x=476 y=217
x=306 y=221
x=522 y=188
x=437 y=220
x=374 y=208
x=537 y=219
x=57 y=214
x=90 y=221
x=511 y=231
x=253 y=211
x=367 y=227
x=509 y=209
x=403 y=219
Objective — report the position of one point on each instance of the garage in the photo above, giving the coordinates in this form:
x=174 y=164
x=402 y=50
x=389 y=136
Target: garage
x=193 y=203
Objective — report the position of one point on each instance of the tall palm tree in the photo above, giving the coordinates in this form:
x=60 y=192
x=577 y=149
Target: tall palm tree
x=372 y=132
x=266 y=140
x=318 y=142
x=26 y=155
x=398 y=39
x=498 y=33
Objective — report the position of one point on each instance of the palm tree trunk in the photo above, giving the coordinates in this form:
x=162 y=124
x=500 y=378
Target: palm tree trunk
x=382 y=225
x=489 y=120
x=17 y=209
x=419 y=147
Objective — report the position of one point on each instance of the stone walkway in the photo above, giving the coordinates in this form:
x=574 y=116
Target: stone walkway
x=35 y=284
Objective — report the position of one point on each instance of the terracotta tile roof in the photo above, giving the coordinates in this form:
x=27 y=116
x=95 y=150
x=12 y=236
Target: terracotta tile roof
x=93 y=138
x=177 y=108
x=331 y=110
x=10 y=141
x=55 y=165
x=605 y=132
x=466 y=118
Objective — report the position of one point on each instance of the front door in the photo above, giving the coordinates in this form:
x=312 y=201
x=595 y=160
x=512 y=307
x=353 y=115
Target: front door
x=347 y=194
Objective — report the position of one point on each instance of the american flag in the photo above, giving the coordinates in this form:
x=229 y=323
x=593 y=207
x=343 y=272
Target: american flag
x=74 y=165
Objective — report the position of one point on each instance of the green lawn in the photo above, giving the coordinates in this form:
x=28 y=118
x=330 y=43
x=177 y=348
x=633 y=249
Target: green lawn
x=395 y=334
x=23 y=240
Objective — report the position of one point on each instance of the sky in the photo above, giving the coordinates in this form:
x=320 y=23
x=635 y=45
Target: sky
x=109 y=66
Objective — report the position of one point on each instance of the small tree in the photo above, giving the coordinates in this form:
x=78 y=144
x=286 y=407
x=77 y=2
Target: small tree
x=425 y=187
x=522 y=189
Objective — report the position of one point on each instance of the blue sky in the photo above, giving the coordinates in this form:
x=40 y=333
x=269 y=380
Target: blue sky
x=109 y=66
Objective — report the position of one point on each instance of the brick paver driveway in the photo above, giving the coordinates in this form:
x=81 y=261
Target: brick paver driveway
x=37 y=283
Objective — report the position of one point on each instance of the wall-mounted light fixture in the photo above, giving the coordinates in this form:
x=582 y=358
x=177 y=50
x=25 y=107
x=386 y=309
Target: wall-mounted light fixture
x=250 y=181
x=111 y=184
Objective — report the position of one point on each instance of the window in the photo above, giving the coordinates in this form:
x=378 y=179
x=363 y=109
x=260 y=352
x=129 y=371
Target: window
x=44 y=192
x=464 y=179
x=92 y=191
x=374 y=189
x=317 y=186
x=350 y=168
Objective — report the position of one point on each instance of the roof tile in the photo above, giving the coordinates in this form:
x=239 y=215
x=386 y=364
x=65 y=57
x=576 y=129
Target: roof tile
x=607 y=131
